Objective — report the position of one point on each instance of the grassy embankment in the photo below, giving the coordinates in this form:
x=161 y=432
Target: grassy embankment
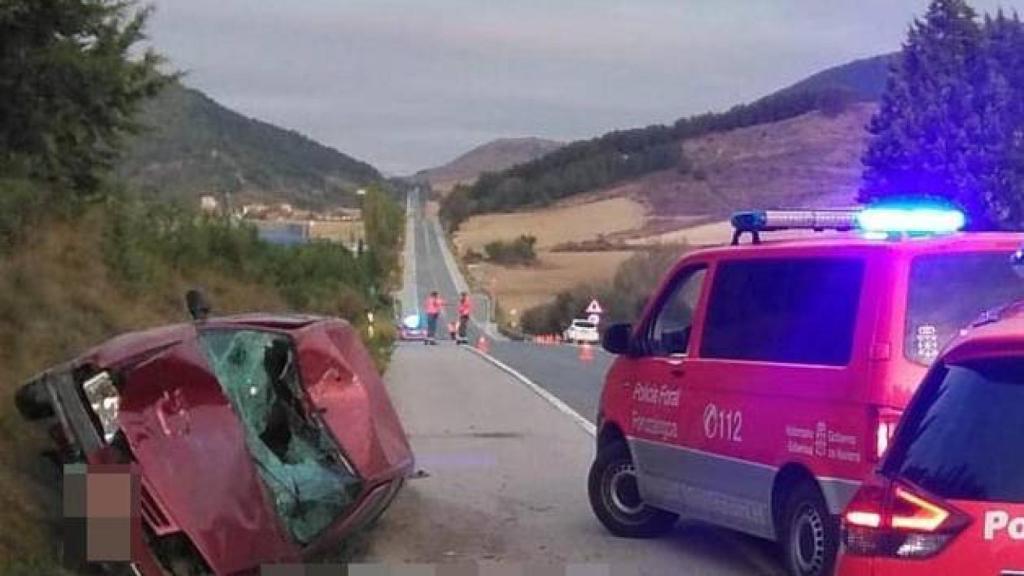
x=72 y=276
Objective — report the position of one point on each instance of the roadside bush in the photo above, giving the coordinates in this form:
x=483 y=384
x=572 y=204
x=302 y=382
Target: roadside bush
x=517 y=252
x=472 y=256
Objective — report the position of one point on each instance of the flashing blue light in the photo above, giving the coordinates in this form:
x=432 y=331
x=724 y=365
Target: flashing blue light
x=411 y=321
x=911 y=220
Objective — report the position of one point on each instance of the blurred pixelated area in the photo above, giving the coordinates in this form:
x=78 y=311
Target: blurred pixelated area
x=473 y=569
x=100 y=511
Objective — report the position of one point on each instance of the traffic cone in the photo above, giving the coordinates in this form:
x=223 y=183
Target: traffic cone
x=482 y=345
x=586 y=352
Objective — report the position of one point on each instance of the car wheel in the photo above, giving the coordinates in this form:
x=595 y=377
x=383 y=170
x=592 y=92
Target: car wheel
x=615 y=496
x=33 y=401
x=809 y=535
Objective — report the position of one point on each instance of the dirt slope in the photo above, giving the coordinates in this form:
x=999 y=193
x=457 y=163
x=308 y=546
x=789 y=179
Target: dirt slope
x=809 y=161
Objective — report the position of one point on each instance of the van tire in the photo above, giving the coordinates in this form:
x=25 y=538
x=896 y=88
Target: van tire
x=809 y=534
x=615 y=498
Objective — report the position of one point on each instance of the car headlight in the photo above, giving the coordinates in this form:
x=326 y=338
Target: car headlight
x=105 y=402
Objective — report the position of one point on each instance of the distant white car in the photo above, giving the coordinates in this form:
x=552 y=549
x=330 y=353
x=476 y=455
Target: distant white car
x=582 y=331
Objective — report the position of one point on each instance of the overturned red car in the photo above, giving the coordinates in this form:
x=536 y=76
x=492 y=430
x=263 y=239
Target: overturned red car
x=255 y=439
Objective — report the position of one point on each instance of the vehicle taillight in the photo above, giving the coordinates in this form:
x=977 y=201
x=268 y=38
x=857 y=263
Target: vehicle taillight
x=886 y=420
x=890 y=519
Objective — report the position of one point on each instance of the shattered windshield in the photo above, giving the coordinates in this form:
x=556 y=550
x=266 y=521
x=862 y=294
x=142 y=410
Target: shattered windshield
x=297 y=459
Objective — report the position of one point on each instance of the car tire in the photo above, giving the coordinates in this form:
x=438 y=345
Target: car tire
x=809 y=534
x=615 y=497
x=33 y=401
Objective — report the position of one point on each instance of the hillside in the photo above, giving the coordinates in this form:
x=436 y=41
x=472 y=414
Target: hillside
x=494 y=156
x=194 y=146
x=864 y=79
x=812 y=160
x=627 y=156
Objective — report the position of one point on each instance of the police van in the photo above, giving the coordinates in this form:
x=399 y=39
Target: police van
x=764 y=380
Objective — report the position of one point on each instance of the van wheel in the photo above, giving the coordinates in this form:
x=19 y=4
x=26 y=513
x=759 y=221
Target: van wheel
x=615 y=496
x=809 y=534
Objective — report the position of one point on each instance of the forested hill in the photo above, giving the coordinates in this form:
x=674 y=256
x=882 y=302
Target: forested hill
x=615 y=157
x=194 y=146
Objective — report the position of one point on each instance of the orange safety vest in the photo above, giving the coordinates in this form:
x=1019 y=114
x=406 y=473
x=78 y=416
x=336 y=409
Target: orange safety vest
x=434 y=305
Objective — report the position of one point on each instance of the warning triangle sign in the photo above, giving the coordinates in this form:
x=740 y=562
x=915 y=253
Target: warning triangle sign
x=595 y=307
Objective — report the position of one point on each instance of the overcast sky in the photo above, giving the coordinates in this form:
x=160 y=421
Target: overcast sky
x=408 y=84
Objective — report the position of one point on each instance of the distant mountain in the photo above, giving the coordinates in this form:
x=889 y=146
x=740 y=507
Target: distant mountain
x=624 y=156
x=864 y=79
x=493 y=156
x=194 y=146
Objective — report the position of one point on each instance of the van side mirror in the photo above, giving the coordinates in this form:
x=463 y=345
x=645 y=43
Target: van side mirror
x=618 y=339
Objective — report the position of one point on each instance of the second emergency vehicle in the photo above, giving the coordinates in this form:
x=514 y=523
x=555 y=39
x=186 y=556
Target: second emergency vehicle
x=764 y=380
x=949 y=496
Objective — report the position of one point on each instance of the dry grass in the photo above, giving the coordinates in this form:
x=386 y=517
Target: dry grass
x=576 y=221
x=524 y=287
x=338 y=231
x=56 y=300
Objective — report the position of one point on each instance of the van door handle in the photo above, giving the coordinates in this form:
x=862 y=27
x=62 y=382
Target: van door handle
x=677 y=372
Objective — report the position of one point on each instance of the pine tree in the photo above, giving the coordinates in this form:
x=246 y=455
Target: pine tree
x=1003 y=121
x=924 y=138
x=71 y=80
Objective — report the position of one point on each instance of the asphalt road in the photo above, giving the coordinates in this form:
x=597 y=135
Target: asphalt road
x=505 y=486
x=559 y=369
x=506 y=469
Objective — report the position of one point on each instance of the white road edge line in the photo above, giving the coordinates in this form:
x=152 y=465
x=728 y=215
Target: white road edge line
x=548 y=396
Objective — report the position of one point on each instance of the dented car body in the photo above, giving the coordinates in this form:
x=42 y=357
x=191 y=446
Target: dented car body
x=256 y=439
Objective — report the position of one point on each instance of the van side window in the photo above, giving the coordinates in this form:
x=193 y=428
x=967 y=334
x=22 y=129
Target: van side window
x=800 y=311
x=670 y=332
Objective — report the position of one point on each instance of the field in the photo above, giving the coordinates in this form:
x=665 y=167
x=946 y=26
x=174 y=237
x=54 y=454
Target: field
x=582 y=219
x=519 y=288
x=336 y=231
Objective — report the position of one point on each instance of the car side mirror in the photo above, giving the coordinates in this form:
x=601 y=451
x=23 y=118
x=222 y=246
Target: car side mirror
x=618 y=339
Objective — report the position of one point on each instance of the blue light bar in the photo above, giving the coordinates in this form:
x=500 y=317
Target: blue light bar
x=911 y=220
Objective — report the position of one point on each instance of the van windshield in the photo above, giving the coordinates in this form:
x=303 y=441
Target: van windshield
x=950 y=291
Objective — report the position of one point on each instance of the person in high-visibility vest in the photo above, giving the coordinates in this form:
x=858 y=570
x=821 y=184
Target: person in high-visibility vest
x=465 y=309
x=433 y=308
